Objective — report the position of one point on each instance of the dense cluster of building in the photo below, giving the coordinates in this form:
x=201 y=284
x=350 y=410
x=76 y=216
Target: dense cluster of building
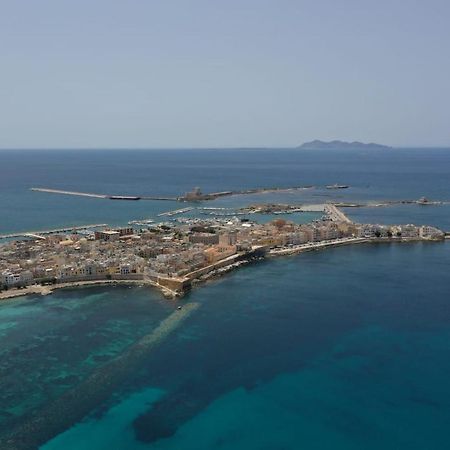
x=177 y=250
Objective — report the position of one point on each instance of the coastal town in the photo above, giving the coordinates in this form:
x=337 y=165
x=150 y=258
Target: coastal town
x=176 y=254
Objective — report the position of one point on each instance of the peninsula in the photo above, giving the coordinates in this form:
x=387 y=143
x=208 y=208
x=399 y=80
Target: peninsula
x=341 y=145
x=175 y=255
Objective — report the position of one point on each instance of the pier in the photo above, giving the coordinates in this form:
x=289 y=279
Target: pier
x=79 y=194
x=166 y=199
x=335 y=214
x=102 y=196
x=195 y=195
x=39 y=234
x=35 y=236
x=175 y=212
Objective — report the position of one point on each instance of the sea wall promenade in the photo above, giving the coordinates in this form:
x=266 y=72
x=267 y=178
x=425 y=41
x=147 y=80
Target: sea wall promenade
x=292 y=250
x=38 y=289
x=170 y=287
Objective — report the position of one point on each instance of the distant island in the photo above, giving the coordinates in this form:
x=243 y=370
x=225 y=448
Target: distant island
x=341 y=145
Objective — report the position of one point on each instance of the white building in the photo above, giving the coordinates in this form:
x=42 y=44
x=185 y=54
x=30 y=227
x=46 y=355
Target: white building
x=428 y=232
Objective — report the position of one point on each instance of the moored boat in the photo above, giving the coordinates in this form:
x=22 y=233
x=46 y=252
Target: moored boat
x=337 y=186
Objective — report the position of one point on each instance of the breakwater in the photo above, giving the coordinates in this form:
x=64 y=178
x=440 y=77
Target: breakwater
x=59 y=191
x=103 y=196
x=183 y=198
x=53 y=418
x=38 y=234
x=175 y=212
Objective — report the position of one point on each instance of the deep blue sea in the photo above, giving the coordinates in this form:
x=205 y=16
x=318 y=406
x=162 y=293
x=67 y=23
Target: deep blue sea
x=347 y=348
x=395 y=175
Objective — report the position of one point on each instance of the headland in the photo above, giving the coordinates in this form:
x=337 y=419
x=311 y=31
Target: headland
x=175 y=255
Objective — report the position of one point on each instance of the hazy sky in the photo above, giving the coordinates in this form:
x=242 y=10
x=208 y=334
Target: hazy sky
x=188 y=73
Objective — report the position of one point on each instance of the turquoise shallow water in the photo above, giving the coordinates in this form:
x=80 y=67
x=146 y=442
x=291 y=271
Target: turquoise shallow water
x=51 y=343
x=293 y=353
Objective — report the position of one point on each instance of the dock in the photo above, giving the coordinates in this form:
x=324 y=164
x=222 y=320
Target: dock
x=41 y=234
x=175 y=212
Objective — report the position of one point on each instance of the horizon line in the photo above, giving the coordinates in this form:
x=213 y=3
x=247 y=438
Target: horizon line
x=401 y=147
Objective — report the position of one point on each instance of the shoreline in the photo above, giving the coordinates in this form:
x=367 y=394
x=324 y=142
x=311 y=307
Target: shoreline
x=48 y=290
x=215 y=272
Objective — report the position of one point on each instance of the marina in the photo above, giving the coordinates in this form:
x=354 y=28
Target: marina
x=141 y=222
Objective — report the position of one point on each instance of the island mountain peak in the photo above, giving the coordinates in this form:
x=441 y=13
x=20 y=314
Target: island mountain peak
x=341 y=145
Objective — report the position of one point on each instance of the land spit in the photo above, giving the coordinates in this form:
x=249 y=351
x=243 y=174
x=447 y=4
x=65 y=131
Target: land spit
x=46 y=422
